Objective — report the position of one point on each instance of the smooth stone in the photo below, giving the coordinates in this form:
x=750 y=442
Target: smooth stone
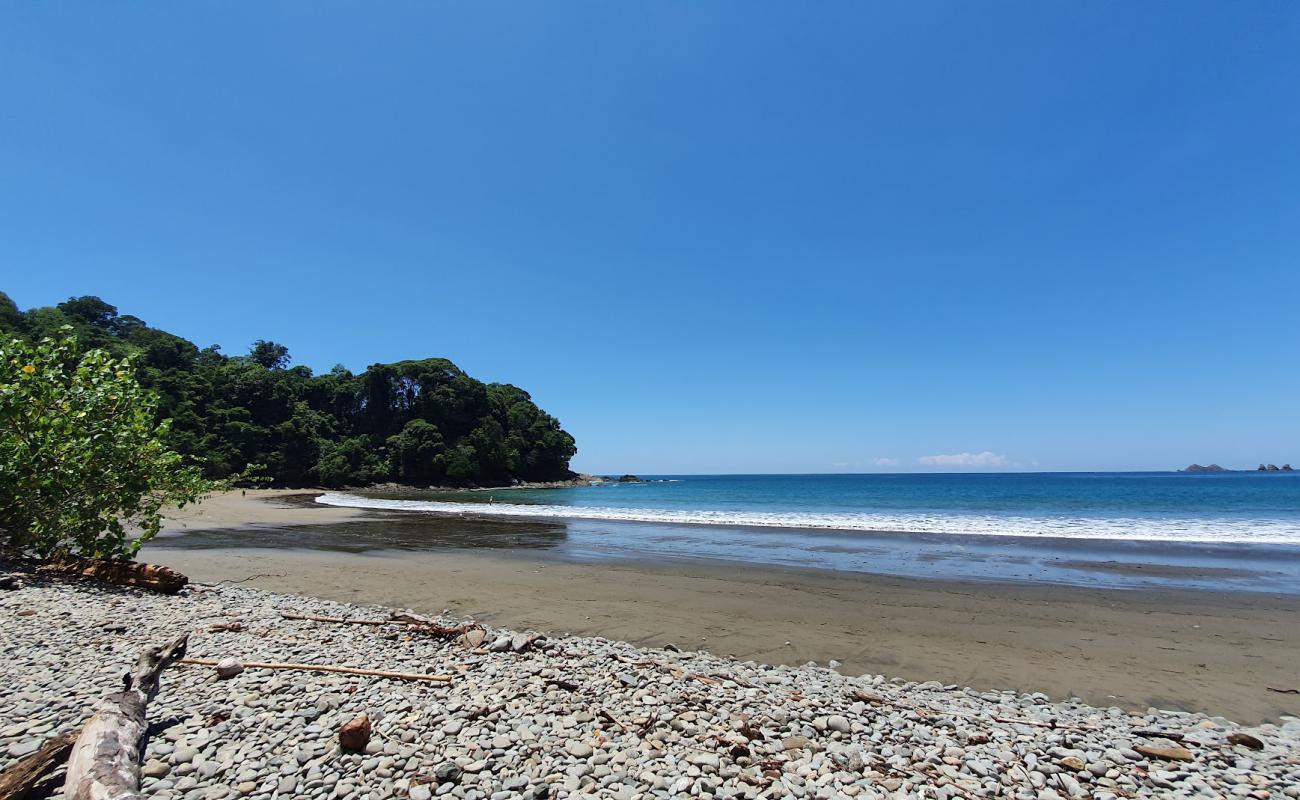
x=155 y=769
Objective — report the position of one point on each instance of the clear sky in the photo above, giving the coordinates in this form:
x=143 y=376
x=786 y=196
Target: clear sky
x=709 y=237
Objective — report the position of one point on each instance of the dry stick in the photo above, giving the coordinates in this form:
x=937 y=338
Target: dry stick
x=18 y=782
x=419 y=625
x=343 y=620
x=375 y=673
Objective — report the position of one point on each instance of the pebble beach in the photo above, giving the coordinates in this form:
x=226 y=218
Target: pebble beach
x=534 y=717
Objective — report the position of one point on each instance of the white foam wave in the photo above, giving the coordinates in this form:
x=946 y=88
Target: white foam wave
x=1206 y=530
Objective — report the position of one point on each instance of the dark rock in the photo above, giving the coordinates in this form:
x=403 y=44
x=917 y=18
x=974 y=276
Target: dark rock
x=1272 y=468
x=1206 y=468
x=355 y=734
x=1245 y=740
x=447 y=772
x=10 y=582
x=1287 y=468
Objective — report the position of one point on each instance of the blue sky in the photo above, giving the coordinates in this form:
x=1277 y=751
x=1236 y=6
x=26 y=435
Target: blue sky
x=709 y=237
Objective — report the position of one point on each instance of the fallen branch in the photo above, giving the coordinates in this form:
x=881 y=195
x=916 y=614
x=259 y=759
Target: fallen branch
x=1152 y=734
x=605 y=715
x=121 y=573
x=374 y=673
x=19 y=781
x=1283 y=691
x=419 y=625
x=105 y=761
x=341 y=620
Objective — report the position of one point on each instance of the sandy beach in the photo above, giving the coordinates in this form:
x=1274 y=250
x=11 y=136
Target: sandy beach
x=1217 y=653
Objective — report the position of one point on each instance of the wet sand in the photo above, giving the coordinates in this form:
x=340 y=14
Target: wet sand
x=1215 y=652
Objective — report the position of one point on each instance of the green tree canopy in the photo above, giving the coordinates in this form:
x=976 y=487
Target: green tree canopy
x=269 y=354
x=335 y=429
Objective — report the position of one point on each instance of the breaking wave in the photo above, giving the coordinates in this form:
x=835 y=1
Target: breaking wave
x=1217 y=530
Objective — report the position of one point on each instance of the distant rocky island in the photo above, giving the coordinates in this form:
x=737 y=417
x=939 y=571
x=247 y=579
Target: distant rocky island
x=1217 y=468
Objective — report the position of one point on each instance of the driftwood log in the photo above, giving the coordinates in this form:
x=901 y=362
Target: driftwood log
x=105 y=761
x=121 y=573
x=21 y=780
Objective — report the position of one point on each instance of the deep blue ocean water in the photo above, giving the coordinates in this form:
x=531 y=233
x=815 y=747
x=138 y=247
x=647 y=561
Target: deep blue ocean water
x=1237 y=507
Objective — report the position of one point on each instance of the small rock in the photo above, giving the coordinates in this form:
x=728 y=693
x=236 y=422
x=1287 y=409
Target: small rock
x=1170 y=753
x=579 y=749
x=155 y=769
x=229 y=667
x=705 y=760
x=1245 y=740
x=1073 y=762
x=21 y=749
x=447 y=772
x=355 y=734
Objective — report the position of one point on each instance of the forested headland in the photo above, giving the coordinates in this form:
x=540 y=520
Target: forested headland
x=421 y=422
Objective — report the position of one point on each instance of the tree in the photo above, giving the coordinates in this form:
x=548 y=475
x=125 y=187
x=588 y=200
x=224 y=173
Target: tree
x=333 y=429
x=11 y=319
x=83 y=462
x=417 y=453
x=91 y=310
x=269 y=354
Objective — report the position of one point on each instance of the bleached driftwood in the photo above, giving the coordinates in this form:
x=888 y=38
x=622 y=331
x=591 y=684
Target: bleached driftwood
x=105 y=761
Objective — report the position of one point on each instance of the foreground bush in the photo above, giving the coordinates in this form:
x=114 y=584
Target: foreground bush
x=83 y=467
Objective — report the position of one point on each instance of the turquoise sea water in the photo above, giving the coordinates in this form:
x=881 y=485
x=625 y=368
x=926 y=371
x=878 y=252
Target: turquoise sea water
x=1239 y=507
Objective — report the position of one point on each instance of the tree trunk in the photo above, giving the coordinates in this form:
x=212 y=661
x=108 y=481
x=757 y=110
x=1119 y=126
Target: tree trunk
x=105 y=762
x=17 y=782
x=121 y=573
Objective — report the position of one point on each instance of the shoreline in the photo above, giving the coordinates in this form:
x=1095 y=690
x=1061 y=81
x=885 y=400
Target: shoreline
x=766 y=521
x=1209 y=651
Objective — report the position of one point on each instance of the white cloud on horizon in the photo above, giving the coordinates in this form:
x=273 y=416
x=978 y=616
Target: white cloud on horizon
x=885 y=462
x=985 y=459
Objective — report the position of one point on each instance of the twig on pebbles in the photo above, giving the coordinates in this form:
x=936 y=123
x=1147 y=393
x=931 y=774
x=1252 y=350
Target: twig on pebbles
x=418 y=625
x=252 y=577
x=376 y=673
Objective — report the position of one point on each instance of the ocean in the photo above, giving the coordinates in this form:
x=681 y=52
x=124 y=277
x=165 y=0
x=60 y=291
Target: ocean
x=1235 y=507
x=1231 y=531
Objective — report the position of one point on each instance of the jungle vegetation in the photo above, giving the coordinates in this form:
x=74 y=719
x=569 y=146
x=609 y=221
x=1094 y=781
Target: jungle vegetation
x=419 y=422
